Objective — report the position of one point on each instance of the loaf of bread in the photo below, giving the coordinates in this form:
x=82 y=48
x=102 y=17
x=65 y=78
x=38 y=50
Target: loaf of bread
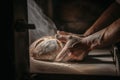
x=50 y=48
x=45 y=48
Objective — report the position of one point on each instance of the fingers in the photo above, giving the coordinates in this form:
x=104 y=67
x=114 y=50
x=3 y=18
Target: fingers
x=63 y=52
x=63 y=33
x=71 y=57
x=72 y=41
x=68 y=46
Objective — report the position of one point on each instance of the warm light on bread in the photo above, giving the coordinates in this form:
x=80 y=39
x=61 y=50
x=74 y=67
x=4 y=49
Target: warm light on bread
x=45 y=48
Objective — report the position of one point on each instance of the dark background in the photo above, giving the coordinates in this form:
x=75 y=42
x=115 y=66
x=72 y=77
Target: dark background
x=73 y=15
x=7 y=62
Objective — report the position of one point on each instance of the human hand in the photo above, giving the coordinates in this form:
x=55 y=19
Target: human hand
x=75 y=47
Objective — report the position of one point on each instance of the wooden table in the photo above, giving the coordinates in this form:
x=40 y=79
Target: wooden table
x=99 y=62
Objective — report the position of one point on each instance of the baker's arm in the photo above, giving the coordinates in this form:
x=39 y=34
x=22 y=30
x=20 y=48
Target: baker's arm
x=103 y=38
x=111 y=14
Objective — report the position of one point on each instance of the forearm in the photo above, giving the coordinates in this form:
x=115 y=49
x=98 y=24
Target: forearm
x=112 y=34
x=105 y=37
x=107 y=17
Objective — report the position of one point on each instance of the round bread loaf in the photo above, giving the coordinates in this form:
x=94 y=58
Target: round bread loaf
x=45 y=48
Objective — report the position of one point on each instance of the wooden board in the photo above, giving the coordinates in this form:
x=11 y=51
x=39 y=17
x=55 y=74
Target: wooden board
x=99 y=62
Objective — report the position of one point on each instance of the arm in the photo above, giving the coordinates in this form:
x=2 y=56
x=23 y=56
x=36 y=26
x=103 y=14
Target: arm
x=107 y=17
x=103 y=38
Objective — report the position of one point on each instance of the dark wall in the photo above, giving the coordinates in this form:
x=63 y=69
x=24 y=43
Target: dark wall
x=74 y=15
x=78 y=15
